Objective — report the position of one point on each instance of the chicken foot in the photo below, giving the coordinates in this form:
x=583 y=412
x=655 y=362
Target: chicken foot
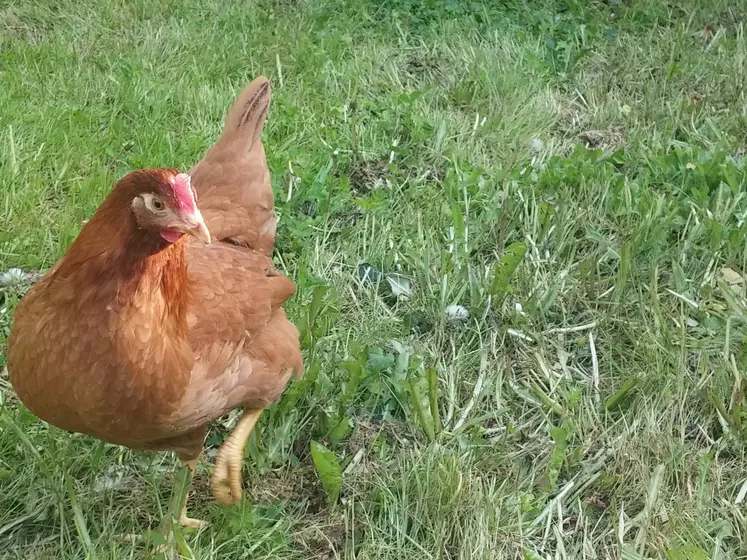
x=178 y=506
x=184 y=520
x=225 y=483
x=179 y=495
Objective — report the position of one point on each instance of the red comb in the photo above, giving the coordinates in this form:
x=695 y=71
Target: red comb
x=183 y=193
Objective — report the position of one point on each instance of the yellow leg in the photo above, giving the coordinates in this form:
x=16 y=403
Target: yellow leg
x=225 y=483
x=184 y=520
x=178 y=502
x=178 y=506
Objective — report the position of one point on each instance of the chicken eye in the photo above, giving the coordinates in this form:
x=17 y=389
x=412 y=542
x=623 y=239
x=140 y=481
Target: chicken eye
x=153 y=203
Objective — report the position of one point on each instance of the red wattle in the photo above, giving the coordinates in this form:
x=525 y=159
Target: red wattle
x=171 y=236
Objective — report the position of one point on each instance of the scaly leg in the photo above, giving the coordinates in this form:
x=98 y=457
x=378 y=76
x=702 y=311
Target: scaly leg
x=184 y=520
x=178 y=502
x=226 y=480
x=178 y=506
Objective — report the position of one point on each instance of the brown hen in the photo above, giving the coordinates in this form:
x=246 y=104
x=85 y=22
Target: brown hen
x=141 y=337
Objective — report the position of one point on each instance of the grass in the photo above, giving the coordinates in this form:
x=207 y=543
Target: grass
x=569 y=172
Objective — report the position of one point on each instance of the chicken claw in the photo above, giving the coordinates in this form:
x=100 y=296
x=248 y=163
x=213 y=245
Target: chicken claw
x=186 y=521
x=225 y=483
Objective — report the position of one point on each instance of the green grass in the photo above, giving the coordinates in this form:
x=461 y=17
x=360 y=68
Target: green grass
x=592 y=404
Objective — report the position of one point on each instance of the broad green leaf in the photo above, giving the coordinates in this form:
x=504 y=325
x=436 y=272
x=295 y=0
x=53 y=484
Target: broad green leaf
x=341 y=430
x=506 y=267
x=559 y=435
x=416 y=399
x=626 y=252
x=460 y=229
x=299 y=388
x=627 y=386
x=329 y=470
x=378 y=360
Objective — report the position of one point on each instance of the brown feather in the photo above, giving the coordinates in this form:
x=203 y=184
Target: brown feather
x=233 y=180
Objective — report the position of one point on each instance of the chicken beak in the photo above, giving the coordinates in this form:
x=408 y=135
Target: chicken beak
x=199 y=230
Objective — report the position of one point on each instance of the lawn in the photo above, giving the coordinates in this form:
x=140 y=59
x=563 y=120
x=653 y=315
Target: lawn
x=569 y=172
